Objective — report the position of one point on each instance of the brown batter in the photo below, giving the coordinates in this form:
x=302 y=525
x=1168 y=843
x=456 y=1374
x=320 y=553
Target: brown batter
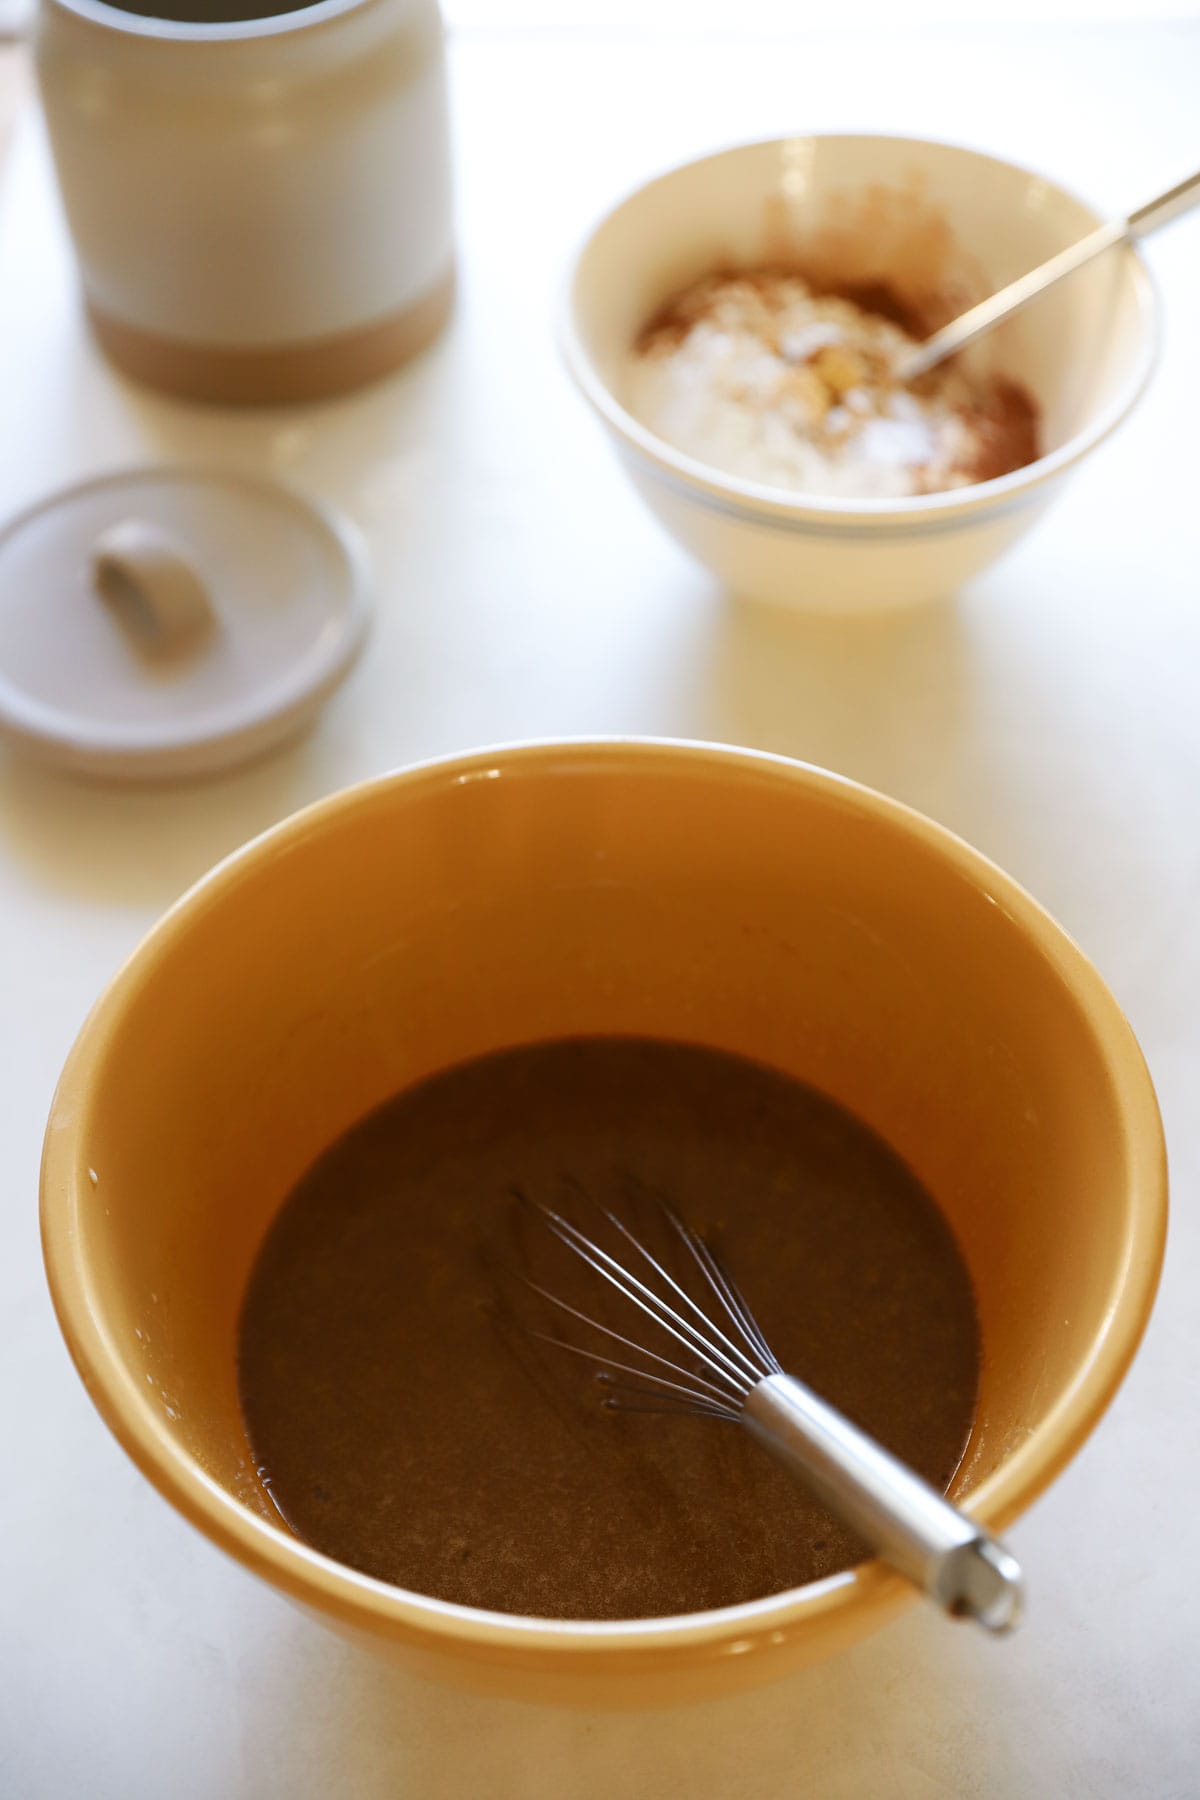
x=411 y=1428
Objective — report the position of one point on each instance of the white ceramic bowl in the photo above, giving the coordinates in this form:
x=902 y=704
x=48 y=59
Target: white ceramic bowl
x=942 y=226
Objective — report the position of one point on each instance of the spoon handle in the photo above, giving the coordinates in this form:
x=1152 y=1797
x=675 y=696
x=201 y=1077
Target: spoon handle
x=1165 y=207
x=972 y=324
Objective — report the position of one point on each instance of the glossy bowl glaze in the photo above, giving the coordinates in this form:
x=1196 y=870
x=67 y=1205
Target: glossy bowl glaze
x=943 y=227
x=678 y=890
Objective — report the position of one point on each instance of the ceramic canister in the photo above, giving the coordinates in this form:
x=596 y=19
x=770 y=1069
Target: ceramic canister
x=259 y=197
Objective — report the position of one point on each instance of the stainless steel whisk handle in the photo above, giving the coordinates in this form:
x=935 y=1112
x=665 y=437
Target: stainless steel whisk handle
x=909 y=1524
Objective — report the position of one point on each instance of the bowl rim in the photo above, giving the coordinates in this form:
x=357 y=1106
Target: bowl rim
x=762 y=503
x=321 y=1583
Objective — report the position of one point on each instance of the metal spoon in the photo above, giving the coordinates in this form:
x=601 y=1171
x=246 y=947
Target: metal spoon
x=972 y=324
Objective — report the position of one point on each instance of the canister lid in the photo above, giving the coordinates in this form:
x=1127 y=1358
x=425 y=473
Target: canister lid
x=172 y=622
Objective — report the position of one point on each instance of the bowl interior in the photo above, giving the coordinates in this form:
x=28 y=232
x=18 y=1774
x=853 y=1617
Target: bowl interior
x=718 y=897
x=941 y=226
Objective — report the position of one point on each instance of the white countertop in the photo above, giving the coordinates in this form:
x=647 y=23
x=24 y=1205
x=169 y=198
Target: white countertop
x=1052 y=716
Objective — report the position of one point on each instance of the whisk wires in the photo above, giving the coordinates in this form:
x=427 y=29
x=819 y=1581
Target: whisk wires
x=723 y=1364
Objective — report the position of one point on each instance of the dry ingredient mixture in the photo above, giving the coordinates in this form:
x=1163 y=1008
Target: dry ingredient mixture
x=409 y=1427
x=760 y=377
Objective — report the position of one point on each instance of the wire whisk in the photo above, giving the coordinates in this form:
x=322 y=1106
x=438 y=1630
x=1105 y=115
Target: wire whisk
x=720 y=1366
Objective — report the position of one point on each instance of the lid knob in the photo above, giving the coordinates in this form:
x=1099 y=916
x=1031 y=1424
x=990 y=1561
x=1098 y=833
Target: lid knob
x=145 y=577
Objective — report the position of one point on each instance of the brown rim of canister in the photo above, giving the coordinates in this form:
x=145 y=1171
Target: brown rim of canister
x=279 y=374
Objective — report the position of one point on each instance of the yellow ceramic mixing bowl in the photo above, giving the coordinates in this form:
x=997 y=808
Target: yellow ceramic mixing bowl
x=675 y=890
